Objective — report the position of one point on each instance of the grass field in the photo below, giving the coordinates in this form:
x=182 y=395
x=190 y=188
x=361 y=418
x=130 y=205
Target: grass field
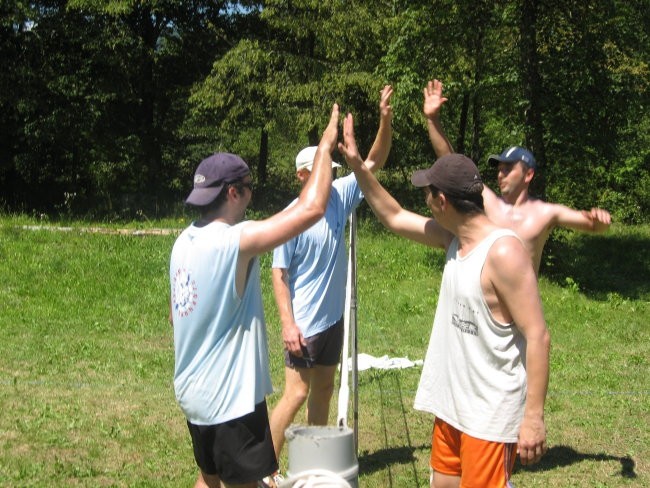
x=86 y=359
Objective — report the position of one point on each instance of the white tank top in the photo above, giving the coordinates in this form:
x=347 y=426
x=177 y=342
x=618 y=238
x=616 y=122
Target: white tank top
x=474 y=375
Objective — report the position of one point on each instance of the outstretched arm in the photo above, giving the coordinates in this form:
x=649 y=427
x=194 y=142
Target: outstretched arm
x=433 y=101
x=596 y=220
x=381 y=147
x=389 y=212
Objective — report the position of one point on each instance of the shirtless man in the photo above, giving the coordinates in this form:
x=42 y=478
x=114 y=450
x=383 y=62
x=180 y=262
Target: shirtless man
x=530 y=218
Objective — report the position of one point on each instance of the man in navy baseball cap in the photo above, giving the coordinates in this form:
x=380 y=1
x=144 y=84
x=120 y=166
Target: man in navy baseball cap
x=221 y=365
x=532 y=219
x=212 y=174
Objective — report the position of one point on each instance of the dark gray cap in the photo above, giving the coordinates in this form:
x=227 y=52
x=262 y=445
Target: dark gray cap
x=454 y=174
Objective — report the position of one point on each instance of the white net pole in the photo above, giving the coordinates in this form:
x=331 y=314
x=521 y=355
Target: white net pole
x=349 y=350
x=344 y=387
x=353 y=326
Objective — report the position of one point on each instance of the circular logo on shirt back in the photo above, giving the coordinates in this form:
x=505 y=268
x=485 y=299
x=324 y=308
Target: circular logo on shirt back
x=185 y=293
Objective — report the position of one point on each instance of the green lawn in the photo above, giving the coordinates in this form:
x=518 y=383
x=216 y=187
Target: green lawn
x=86 y=359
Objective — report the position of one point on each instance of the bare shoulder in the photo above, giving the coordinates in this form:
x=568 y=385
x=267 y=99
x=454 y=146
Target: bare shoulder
x=540 y=214
x=507 y=255
x=506 y=244
x=540 y=207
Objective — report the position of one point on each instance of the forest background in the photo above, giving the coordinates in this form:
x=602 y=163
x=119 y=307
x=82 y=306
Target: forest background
x=107 y=106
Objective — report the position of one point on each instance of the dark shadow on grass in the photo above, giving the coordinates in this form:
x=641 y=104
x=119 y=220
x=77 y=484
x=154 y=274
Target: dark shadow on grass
x=370 y=462
x=559 y=456
x=599 y=264
x=390 y=388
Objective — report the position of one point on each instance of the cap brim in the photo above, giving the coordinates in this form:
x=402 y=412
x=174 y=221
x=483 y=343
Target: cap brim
x=203 y=196
x=310 y=165
x=496 y=159
x=420 y=178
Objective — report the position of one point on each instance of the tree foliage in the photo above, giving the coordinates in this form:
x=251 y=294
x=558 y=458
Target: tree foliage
x=106 y=106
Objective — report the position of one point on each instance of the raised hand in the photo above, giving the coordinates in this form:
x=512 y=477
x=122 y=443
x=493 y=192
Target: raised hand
x=385 y=110
x=349 y=147
x=433 y=99
x=331 y=132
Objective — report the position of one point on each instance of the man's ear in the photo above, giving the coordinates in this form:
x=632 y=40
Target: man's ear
x=232 y=192
x=529 y=173
x=303 y=175
x=442 y=198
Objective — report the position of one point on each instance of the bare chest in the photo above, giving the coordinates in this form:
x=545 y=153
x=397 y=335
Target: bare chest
x=529 y=222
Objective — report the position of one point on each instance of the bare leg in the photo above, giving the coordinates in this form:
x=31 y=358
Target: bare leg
x=440 y=480
x=213 y=481
x=296 y=388
x=320 y=394
x=207 y=481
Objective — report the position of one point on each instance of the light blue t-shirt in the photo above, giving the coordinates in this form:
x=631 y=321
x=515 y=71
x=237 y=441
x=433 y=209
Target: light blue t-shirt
x=317 y=263
x=221 y=352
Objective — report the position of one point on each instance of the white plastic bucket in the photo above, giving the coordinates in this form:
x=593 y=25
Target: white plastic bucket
x=323 y=447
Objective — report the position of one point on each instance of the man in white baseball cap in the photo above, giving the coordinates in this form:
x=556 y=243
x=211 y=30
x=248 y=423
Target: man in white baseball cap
x=305 y=159
x=309 y=275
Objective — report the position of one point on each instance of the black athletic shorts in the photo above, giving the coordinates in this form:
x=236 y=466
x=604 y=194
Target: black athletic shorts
x=323 y=349
x=238 y=451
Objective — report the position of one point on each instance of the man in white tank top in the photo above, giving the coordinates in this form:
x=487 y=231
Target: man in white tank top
x=533 y=220
x=485 y=375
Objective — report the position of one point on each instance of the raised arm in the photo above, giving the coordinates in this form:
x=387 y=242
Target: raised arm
x=381 y=147
x=596 y=220
x=433 y=101
x=389 y=212
x=515 y=283
x=261 y=236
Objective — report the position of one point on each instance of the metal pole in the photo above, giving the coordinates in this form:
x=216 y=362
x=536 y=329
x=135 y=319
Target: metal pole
x=353 y=326
x=344 y=388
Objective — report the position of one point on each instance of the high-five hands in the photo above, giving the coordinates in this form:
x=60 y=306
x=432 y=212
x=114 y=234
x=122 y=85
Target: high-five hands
x=349 y=147
x=331 y=132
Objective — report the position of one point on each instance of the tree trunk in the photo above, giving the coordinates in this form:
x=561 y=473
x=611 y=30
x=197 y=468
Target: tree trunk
x=462 y=124
x=476 y=153
x=479 y=70
x=313 y=137
x=263 y=160
x=532 y=91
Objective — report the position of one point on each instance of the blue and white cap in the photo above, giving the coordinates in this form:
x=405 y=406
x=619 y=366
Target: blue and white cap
x=514 y=154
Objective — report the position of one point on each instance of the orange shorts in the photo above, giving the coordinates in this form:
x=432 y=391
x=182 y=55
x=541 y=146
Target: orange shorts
x=478 y=463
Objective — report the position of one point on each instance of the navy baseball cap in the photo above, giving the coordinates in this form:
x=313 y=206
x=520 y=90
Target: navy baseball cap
x=514 y=154
x=212 y=174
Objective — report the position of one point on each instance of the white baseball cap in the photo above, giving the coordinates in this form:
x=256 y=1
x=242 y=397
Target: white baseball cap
x=305 y=159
